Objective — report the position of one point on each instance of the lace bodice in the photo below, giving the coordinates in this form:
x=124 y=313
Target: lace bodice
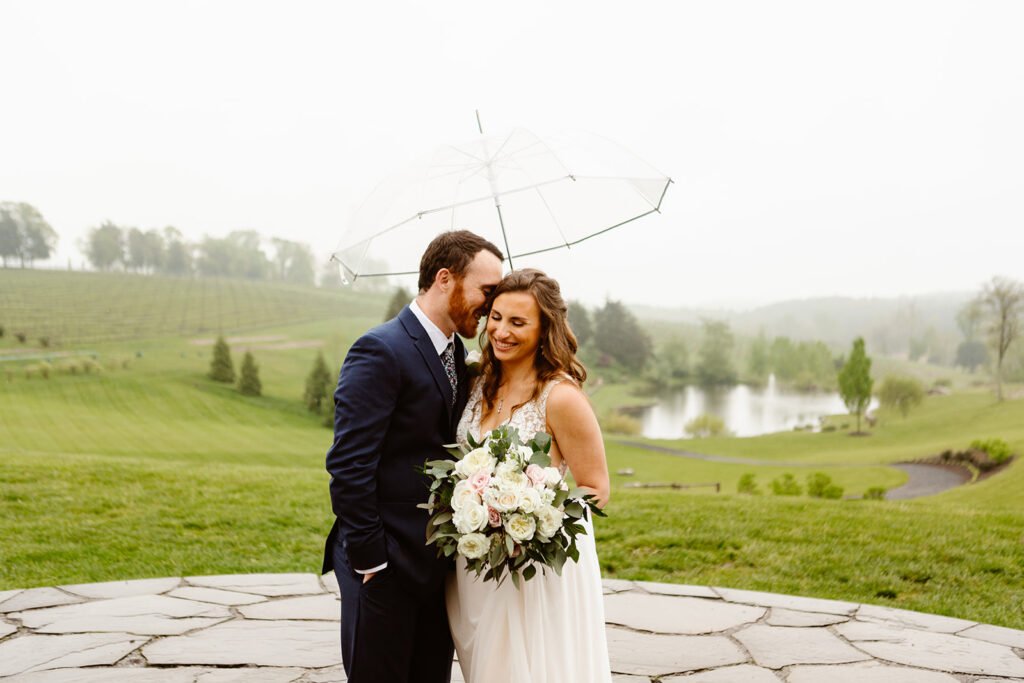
x=529 y=418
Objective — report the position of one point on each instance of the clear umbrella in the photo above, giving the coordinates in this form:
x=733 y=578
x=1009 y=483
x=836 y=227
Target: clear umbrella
x=524 y=193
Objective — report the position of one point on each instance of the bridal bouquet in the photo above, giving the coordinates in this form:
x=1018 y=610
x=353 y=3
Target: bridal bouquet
x=502 y=506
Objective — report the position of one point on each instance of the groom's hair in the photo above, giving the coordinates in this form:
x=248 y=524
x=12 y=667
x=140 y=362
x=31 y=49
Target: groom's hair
x=453 y=250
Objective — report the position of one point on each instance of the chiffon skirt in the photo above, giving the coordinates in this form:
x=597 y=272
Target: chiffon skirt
x=550 y=630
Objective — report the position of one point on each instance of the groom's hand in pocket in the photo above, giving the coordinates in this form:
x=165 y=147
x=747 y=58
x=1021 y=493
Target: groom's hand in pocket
x=367 y=577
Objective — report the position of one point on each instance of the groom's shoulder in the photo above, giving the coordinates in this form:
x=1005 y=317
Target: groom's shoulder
x=389 y=332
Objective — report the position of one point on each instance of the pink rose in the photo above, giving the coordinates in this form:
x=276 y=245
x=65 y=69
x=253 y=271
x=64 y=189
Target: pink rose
x=536 y=474
x=479 y=481
x=493 y=517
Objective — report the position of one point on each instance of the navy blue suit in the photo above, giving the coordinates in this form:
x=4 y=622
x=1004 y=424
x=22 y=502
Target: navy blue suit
x=393 y=411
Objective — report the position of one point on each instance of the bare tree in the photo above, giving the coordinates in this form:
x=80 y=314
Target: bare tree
x=1004 y=299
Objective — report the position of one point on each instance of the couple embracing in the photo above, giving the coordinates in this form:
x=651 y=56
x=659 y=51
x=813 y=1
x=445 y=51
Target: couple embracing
x=404 y=392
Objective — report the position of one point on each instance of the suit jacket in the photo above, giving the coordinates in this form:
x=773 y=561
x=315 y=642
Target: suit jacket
x=393 y=412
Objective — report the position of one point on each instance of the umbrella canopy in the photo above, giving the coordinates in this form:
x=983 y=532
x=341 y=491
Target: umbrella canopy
x=524 y=193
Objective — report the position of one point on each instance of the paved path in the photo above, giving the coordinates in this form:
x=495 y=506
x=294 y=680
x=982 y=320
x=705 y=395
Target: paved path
x=283 y=628
x=925 y=479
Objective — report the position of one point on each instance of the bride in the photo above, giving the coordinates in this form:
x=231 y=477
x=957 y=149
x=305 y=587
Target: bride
x=552 y=627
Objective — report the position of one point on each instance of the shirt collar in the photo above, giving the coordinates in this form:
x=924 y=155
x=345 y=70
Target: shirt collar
x=437 y=337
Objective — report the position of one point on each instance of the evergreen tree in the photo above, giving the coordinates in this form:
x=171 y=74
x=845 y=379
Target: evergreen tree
x=579 y=322
x=399 y=301
x=715 y=365
x=318 y=385
x=618 y=334
x=221 y=367
x=249 y=377
x=855 y=381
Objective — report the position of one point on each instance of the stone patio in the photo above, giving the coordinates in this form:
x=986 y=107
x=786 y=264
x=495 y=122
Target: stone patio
x=282 y=628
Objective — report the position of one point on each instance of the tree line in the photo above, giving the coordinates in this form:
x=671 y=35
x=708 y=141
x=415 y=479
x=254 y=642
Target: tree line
x=25 y=236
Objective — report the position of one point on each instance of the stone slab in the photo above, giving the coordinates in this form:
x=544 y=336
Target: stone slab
x=172 y=675
x=936 y=651
x=140 y=626
x=646 y=654
x=33 y=598
x=626 y=678
x=780 y=616
x=793 y=602
x=778 y=646
x=7 y=595
x=669 y=614
x=336 y=674
x=325 y=607
x=995 y=634
x=744 y=673
x=269 y=585
x=330 y=583
x=216 y=596
x=36 y=653
x=256 y=643
x=866 y=672
x=616 y=585
x=7 y=629
x=677 y=589
x=122 y=589
x=149 y=606
x=915 y=620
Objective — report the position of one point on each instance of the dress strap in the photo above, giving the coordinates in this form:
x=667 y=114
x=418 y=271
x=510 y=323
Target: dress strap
x=542 y=400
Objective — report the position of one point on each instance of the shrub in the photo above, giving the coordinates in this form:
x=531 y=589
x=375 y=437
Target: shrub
x=874 y=493
x=21 y=336
x=70 y=366
x=828 y=428
x=819 y=485
x=44 y=342
x=900 y=392
x=10 y=374
x=1 y=331
x=997 y=449
x=221 y=367
x=89 y=366
x=747 y=485
x=705 y=425
x=615 y=422
x=249 y=379
x=943 y=382
x=44 y=369
x=30 y=371
x=786 y=485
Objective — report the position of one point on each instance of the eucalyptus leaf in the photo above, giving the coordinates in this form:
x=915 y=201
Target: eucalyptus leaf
x=529 y=572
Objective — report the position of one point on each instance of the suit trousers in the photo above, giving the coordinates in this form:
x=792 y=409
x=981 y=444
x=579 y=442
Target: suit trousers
x=388 y=634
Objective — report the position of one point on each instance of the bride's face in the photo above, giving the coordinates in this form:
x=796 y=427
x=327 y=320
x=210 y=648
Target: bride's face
x=513 y=327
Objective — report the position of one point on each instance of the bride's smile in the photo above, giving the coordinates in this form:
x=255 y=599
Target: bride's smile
x=513 y=326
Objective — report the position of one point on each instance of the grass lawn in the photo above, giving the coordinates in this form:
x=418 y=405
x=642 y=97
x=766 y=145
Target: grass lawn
x=153 y=470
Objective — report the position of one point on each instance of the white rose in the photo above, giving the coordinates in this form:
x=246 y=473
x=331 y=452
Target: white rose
x=472 y=517
x=525 y=453
x=549 y=521
x=502 y=501
x=510 y=477
x=473 y=357
x=520 y=527
x=547 y=496
x=529 y=499
x=552 y=477
x=473 y=546
x=463 y=495
x=475 y=461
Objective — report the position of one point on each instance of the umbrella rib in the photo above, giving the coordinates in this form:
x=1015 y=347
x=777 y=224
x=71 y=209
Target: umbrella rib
x=584 y=239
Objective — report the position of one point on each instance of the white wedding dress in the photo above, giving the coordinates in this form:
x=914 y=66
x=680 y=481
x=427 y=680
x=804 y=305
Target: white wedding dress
x=551 y=629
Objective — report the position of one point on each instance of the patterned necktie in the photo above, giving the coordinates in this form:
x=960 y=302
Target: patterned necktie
x=448 y=359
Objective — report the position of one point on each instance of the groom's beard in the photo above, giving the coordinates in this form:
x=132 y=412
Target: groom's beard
x=466 y=319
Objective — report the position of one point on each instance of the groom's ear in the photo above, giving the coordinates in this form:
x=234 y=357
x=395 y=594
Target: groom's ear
x=443 y=279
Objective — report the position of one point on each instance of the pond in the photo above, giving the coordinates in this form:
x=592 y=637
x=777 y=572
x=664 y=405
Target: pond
x=746 y=411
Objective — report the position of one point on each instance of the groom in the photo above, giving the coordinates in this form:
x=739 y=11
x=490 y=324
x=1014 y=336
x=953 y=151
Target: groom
x=400 y=395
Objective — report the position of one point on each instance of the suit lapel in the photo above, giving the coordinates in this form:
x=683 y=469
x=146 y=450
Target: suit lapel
x=421 y=340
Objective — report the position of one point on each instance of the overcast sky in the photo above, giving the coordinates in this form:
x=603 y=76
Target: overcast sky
x=817 y=148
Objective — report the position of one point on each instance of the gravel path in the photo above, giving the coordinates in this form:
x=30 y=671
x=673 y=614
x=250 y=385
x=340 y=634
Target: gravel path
x=925 y=480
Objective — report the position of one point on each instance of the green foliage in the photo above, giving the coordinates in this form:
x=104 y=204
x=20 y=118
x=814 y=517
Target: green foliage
x=24 y=234
x=221 y=367
x=670 y=364
x=1 y=331
x=249 y=377
x=399 y=300
x=705 y=425
x=105 y=246
x=759 y=363
x=580 y=323
x=900 y=392
x=747 y=485
x=618 y=334
x=918 y=348
x=855 y=381
x=44 y=369
x=617 y=422
x=997 y=449
x=318 y=385
x=715 y=357
x=819 y=485
x=786 y=485
x=971 y=355
x=874 y=493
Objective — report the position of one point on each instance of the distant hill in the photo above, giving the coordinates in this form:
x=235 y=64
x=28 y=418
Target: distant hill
x=80 y=307
x=886 y=324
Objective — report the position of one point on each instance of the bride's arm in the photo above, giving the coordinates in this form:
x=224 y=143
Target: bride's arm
x=578 y=436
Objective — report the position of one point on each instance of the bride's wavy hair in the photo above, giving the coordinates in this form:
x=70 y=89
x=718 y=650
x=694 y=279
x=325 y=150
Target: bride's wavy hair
x=556 y=349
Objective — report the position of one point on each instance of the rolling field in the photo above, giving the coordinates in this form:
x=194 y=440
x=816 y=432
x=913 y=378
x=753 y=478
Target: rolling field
x=153 y=470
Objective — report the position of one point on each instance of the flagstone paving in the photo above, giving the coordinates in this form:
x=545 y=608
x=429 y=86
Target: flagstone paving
x=283 y=628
